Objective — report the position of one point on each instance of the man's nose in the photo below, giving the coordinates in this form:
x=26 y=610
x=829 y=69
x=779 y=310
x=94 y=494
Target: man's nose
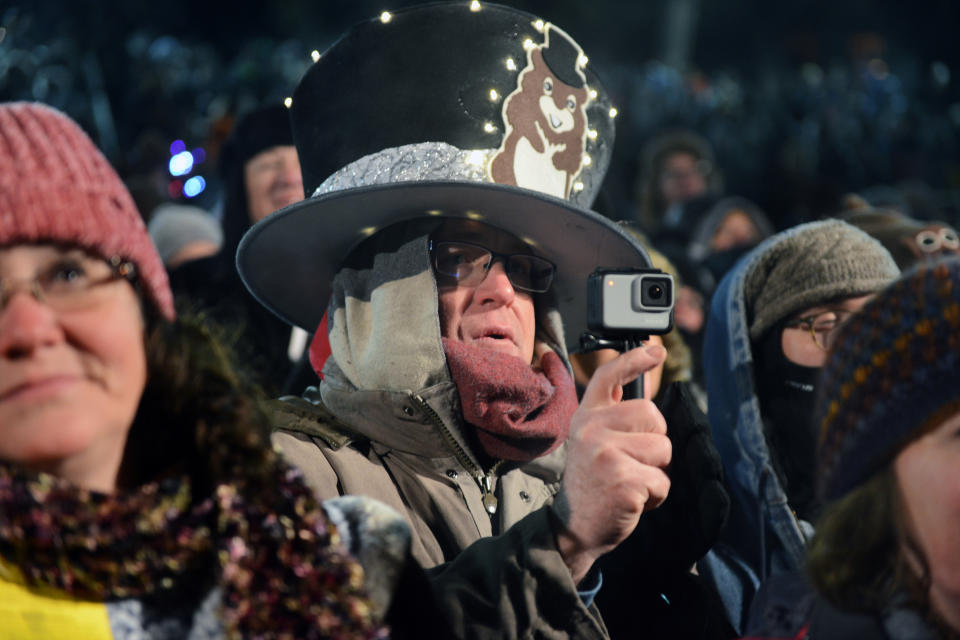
x=496 y=286
x=290 y=172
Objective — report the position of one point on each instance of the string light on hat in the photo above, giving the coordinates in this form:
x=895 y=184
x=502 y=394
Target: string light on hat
x=528 y=44
x=613 y=112
x=474 y=6
x=288 y=102
x=538 y=25
x=578 y=186
x=592 y=134
x=315 y=55
x=494 y=96
x=386 y=17
x=489 y=127
x=473 y=215
x=587 y=160
x=477 y=158
x=511 y=65
x=582 y=61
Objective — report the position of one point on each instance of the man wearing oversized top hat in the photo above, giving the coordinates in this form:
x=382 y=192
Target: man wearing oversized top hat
x=449 y=154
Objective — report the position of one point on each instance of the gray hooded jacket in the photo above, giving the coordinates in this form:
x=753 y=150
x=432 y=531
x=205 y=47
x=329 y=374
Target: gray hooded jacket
x=386 y=423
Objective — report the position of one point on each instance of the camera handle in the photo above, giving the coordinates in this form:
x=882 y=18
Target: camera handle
x=593 y=342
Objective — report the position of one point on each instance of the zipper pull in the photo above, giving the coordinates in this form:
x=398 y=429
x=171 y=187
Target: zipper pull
x=489 y=500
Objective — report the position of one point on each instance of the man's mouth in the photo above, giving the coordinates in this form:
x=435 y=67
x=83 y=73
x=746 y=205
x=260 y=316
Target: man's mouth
x=496 y=338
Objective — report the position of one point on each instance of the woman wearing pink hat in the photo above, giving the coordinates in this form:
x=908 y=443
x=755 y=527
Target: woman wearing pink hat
x=139 y=496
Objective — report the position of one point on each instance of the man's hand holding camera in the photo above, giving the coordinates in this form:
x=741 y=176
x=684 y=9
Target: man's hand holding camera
x=617 y=454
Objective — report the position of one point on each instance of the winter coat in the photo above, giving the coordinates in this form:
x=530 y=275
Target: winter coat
x=763 y=536
x=386 y=423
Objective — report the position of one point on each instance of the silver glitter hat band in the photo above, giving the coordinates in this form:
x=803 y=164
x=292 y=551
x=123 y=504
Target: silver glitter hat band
x=429 y=161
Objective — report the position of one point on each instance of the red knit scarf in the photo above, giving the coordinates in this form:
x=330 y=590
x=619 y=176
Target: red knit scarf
x=519 y=413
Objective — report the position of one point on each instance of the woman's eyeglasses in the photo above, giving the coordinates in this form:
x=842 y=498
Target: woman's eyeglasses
x=468 y=264
x=66 y=284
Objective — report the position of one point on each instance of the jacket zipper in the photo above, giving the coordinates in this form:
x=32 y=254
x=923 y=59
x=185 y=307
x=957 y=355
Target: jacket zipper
x=483 y=479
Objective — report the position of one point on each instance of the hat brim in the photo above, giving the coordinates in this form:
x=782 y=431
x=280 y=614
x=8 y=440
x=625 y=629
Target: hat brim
x=289 y=259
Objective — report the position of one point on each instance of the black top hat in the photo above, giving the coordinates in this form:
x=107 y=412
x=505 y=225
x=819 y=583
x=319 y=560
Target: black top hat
x=457 y=109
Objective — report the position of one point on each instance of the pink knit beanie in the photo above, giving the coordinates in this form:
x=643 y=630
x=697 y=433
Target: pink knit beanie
x=56 y=186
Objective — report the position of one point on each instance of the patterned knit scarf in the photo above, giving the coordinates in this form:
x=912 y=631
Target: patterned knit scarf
x=519 y=413
x=275 y=557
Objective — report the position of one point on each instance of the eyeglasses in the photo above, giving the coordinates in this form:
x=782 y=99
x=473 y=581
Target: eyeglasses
x=66 y=283
x=469 y=263
x=822 y=326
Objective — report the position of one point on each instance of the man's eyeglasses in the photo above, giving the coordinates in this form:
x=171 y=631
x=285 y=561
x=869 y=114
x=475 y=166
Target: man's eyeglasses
x=67 y=283
x=468 y=264
x=822 y=326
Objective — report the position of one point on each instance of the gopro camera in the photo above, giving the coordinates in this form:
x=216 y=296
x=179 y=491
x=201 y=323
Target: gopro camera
x=629 y=302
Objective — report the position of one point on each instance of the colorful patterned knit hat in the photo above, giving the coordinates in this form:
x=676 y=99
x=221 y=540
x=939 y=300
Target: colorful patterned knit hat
x=895 y=370
x=55 y=186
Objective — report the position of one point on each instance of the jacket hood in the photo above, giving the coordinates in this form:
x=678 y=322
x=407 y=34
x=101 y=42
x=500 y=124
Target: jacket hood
x=762 y=532
x=384 y=333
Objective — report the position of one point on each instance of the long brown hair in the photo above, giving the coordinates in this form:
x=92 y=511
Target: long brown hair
x=200 y=412
x=860 y=557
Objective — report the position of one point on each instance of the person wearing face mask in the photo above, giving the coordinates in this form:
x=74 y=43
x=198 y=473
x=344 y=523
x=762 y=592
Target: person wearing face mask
x=447 y=245
x=770 y=326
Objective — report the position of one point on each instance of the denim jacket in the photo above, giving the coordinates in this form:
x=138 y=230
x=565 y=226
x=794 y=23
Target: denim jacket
x=763 y=536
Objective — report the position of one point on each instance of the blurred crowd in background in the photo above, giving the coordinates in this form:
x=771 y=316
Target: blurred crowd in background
x=800 y=103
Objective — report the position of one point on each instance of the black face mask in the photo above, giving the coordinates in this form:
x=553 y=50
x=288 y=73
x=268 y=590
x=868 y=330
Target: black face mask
x=786 y=392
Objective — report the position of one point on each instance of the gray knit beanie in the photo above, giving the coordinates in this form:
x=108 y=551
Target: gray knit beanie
x=174 y=226
x=809 y=265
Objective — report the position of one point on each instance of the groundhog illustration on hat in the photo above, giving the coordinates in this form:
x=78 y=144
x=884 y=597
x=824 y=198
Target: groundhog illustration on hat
x=545 y=119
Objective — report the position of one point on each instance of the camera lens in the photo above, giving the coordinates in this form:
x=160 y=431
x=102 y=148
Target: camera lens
x=655 y=292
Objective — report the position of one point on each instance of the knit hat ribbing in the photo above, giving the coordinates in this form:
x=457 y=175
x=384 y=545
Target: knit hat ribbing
x=894 y=370
x=817 y=262
x=56 y=186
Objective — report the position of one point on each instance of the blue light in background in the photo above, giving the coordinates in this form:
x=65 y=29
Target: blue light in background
x=181 y=164
x=199 y=155
x=194 y=186
x=177 y=146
